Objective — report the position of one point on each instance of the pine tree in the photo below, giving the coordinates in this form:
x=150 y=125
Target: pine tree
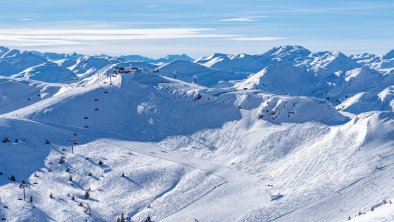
x=71 y=178
x=6 y=140
x=123 y=175
x=47 y=141
x=100 y=163
x=87 y=195
x=31 y=199
x=13 y=178
x=148 y=219
x=61 y=161
x=122 y=218
x=51 y=195
x=72 y=198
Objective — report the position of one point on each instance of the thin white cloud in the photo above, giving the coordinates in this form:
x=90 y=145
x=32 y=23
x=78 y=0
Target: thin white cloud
x=26 y=19
x=239 y=20
x=263 y=38
x=244 y=19
x=70 y=37
x=79 y=36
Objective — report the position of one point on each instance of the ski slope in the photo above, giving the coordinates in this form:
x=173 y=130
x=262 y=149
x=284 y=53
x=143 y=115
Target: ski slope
x=144 y=144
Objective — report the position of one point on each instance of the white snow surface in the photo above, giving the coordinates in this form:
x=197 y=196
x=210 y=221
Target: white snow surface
x=307 y=137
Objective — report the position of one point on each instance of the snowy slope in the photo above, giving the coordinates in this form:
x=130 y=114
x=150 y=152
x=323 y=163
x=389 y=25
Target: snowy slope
x=15 y=61
x=307 y=137
x=17 y=93
x=88 y=65
x=48 y=72
x=186 y=71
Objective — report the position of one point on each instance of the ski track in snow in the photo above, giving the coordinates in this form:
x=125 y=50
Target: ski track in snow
x=314 y=129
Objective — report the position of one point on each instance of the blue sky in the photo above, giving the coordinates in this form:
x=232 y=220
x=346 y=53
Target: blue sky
x=156 y=28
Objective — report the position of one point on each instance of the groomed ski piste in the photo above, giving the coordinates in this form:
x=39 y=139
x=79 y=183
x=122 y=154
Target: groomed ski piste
x=145 y=144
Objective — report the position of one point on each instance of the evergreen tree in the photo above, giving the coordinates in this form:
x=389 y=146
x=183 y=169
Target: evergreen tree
x=148 y=219
x=87 y=195
x=31 y=199
x=61 y=161
x=71 y=178
x=13 y=178
x=51 y=195
x=122 y=218
x=6 y=140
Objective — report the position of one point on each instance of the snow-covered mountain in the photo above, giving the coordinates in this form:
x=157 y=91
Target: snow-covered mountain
x=295 y=136
x=48 y=72
x=194 y=72
x=166 y=59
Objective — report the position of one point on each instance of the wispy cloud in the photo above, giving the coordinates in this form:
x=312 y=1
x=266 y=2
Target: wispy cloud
x=239 y=20
x=261 y=38
x=25 y=19
x=243 y=19
x=78 y=36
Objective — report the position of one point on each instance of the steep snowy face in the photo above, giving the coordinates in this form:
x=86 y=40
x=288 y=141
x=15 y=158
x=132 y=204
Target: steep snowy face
x=360 y=103
x=167 y=59
x=3 y=50
x=89 y=65
x=212 y=59
x=361 y=79
x=170 y=58
x=383 y=63
x=15 y=61
x=278 y=109
x=254 y=63
x=53 y=56
x=325 y=64
x=17 y=93
x=389 y=55
x=282 y=79
x=387 y=98
x=369 y=101
x=194 y=72
x=48 y=72
x=287 y=54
